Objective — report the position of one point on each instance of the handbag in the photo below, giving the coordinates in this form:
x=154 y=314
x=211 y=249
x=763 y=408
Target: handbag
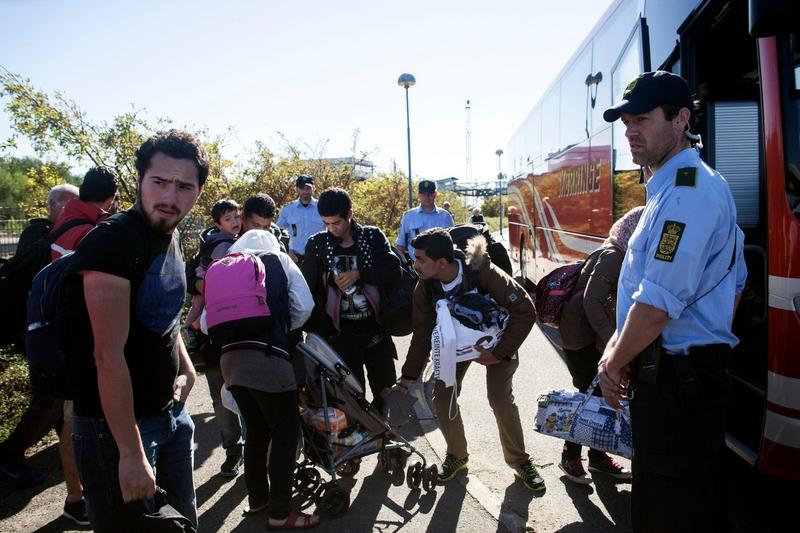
x=586 y=420
x=134 y=518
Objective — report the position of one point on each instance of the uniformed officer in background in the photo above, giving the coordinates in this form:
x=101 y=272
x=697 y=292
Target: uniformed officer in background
x=676 y=298
x=300 y=218
x=421 y=218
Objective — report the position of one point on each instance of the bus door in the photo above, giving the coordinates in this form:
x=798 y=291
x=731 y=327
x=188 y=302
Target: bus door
x=719 y=59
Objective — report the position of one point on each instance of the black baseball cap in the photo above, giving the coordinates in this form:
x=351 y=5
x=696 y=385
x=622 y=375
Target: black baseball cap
x=650 y=90
x=427 y=186
x=303 y=180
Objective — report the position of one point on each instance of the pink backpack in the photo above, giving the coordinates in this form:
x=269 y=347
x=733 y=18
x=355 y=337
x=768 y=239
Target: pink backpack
x=234 y=289
x=555 y=289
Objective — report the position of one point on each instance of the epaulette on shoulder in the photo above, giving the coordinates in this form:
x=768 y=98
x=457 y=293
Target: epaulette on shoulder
x=686 y=177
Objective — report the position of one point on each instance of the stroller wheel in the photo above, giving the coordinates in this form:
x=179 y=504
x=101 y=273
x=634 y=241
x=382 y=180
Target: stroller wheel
x=334 y=502
x=429 y=477
x=414 y=475
x=306 y=480
x=349 y=468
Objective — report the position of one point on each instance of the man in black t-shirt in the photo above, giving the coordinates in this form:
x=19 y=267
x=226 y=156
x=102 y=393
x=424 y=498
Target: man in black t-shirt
x=344 y=267
x=128 y=364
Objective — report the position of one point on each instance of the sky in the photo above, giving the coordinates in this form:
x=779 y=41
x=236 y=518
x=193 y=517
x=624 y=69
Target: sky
x=312 y=72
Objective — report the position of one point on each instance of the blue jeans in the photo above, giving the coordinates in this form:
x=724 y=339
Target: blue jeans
x=231 y=428
x=167 y=439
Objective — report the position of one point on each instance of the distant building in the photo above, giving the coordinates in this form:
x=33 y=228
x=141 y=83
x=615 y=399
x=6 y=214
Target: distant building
x=362 y=169
x=446 y=184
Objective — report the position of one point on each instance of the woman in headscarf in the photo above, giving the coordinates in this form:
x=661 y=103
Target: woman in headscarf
x=258 y=371
x=587 y=323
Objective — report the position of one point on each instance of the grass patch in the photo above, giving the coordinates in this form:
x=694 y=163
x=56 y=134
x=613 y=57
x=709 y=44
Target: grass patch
x=15 y=390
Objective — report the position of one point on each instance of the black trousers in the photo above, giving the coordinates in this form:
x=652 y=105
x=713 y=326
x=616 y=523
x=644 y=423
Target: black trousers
x=678 y=445
x=270 y=418
x=43 y=414
x=372 y=349
x=582 y=366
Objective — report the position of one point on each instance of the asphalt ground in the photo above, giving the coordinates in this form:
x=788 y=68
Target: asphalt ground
x=379 y=502
x=489 y=498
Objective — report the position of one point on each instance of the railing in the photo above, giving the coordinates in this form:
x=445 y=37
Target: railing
x=486 y=188
x=10 y=230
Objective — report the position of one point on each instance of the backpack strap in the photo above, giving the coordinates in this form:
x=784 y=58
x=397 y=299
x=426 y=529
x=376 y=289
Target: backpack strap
x=66 y=226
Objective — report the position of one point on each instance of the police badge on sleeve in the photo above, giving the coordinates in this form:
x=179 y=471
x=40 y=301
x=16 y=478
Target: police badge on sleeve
x=670 y=238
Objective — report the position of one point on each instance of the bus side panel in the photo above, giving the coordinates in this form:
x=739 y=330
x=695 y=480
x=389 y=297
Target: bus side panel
x=572 y=203
x=780 y=450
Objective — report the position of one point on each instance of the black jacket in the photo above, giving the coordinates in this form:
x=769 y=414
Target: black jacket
x=377 y=266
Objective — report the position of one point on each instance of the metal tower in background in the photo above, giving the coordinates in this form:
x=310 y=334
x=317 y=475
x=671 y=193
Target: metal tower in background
x=468 y=173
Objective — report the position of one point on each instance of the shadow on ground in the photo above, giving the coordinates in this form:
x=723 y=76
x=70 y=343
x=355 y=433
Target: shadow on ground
x=46 y=460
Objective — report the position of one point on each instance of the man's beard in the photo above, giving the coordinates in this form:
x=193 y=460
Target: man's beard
x=159 y=226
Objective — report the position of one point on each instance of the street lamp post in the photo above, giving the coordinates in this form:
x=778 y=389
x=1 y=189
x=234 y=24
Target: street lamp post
x=405 y=81
x=499 y=154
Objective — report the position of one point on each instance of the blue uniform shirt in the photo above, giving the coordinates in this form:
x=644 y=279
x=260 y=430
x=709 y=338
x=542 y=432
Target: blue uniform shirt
x=680 y=251
x=415 y=221
x=301 y=221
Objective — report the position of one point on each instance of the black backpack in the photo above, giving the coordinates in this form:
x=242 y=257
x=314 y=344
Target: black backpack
x=16 y=277
x=202 y=257
x=47 y=360
x=397 y=300
x=462 y=233
x=45 y=323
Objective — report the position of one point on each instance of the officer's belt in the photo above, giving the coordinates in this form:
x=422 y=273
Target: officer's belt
x=709 y=357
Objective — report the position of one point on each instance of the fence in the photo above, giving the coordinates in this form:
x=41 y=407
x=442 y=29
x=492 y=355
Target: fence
x=10 y=230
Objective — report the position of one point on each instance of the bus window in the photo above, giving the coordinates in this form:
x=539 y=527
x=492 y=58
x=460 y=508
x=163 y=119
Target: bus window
x=606 y=45
x=534 y=144
x=628 y=192
x=628 y=67
x=550 y=119
x=575 y=100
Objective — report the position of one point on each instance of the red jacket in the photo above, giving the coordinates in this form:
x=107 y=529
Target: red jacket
x=75 y=210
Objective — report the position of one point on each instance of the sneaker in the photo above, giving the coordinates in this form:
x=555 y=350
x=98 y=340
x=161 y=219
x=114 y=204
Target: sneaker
x=529 y=476
x=452 y=466
x=76 y=511
x=573 y=469
x=20 y=475
x=608 y=466
x=230 y=468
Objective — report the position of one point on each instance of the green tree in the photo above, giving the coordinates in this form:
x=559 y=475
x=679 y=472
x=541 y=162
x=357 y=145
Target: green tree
x=56 y=125
x=25 y=183
x=491 y=206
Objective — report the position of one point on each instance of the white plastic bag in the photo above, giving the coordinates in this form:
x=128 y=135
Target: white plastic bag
x=443 y=345
x=228 y=402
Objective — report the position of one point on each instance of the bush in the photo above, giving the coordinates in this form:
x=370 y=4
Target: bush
x=16 y=390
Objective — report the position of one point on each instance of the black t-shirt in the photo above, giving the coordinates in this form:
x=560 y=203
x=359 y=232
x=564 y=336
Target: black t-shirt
x=354 y=307
x=126 y=246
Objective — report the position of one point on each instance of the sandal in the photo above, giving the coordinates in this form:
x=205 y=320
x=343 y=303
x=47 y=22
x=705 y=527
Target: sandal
x=250 y=511
x=295 y=520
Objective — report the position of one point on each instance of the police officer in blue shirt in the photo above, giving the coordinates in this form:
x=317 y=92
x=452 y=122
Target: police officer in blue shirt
x=300 y=218
x=676 y=298
x=426 y=216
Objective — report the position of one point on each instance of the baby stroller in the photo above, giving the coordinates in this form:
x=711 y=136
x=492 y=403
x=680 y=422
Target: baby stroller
x=330 y=439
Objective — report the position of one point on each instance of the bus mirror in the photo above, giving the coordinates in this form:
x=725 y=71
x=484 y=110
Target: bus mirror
x=773 y=17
